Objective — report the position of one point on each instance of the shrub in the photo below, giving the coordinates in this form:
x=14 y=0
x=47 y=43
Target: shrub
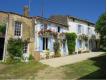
x=71 y=41
x=15 y=49
x=2 y=29
x=31 y=57
x=9 y=60
x=57 y=48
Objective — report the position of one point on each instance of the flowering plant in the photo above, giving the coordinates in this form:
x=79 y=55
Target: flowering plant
x=46 y=33
x=83 y=36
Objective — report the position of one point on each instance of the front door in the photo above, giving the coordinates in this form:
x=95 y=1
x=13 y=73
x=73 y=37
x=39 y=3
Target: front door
x=1 y=48
x=45 y=43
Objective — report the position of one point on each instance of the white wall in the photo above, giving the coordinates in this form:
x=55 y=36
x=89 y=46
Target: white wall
x=73 y=27
x=38 y=40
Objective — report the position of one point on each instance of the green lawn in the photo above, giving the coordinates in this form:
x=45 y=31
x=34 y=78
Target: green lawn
x=20 y=70
x=94 y=68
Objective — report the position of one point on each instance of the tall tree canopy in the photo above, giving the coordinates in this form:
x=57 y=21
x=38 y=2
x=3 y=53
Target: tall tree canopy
x=101 y=29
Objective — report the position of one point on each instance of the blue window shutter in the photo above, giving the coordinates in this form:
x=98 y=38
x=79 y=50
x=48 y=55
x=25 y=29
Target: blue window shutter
x=40 y=43
x=50 y=44
x=78 y=43
x=49 y=47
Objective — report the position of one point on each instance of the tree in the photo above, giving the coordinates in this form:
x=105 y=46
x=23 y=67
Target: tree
x=101 y=29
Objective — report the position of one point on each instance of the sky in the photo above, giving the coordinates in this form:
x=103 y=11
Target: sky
x=84 y=9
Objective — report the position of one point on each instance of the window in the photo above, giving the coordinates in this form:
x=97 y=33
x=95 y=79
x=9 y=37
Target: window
x=73 y=19
x=45 y=26
x=41 y=26
x=86 y=44
x=80 y=43
x=79 y=28
x=25 y=48
x=88 y=24
x=88 y=30
x=18 y=30
x=58 y=29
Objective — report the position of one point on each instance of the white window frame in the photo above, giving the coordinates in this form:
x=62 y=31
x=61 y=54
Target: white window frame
x=27 y=49
x=21 y=30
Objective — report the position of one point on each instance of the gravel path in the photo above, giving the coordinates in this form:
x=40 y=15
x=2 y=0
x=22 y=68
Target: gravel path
x=61 y=61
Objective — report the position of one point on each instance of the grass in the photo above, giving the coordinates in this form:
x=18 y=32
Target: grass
x=95 y=68
x=20 y=70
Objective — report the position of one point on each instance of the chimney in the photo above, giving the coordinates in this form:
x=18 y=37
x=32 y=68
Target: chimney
x=26 y=11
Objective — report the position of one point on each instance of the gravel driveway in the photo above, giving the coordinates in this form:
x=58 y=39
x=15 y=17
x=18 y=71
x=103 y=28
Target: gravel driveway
x=71 y=59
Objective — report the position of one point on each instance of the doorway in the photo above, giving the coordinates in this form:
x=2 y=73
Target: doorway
x=1 y=48
x=45 y=43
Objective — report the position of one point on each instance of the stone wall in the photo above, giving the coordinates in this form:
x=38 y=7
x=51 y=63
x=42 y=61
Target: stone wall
x=27 y=28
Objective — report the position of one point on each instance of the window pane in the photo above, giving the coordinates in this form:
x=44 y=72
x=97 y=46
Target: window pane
x=17 y=28
x=25 y=48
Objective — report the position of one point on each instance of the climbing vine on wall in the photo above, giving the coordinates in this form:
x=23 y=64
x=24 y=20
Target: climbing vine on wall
x=2 y=29
x=15 y=48
x=71 y=42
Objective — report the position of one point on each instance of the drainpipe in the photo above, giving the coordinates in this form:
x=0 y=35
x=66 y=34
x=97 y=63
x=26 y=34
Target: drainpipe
x=5 y=42
x=88 y=45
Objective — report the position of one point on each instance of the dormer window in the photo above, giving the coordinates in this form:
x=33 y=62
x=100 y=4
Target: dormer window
x=43 y=26
x=73 y=19
x=88 y=24
x=58 y=29
x=18 y=29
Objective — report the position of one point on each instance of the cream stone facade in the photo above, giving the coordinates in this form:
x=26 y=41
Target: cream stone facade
x=26 y=30
x=30 y=27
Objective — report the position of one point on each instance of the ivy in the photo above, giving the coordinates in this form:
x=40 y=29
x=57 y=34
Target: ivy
x=15 y=48
x=2 y=29
x=71 y=41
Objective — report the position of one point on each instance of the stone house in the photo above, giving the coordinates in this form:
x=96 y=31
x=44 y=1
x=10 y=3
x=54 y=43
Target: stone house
x=17 y=26
x=31 y=28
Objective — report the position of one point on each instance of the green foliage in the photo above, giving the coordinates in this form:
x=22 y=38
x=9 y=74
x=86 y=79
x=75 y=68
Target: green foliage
x=71 y=41
x=15 y=48
x=2 y=28
x=57 y=48
x=101 y=29
x=47 y=53
x=31 y=57
x=9 y=60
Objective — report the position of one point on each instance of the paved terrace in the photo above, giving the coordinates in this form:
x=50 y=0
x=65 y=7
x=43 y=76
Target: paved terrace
x=61 y=61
